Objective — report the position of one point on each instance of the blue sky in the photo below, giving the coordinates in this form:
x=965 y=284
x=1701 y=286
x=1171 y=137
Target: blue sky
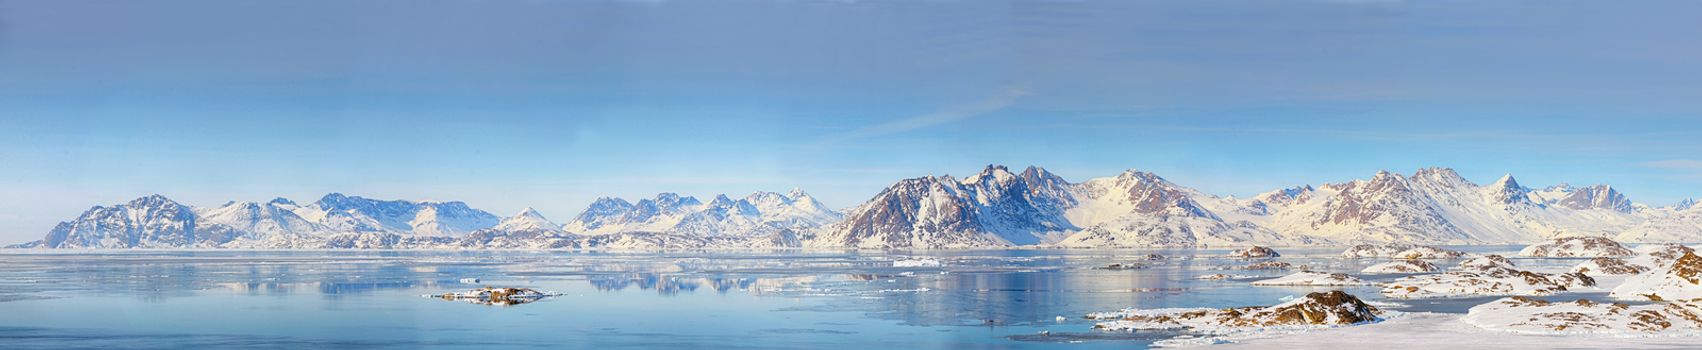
x=552 y=104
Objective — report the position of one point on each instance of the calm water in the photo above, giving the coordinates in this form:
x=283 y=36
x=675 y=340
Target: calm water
x=318 y=299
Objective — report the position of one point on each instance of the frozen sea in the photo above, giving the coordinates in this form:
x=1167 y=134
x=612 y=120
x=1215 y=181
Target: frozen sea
x=1001 y=299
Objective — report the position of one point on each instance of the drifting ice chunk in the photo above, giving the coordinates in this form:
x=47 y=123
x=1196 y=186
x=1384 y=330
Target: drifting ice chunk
x=916 y=263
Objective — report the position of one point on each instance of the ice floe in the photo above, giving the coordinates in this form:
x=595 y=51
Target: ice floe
x=916 y=263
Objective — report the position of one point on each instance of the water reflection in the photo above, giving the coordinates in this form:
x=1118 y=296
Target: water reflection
x=673 y=284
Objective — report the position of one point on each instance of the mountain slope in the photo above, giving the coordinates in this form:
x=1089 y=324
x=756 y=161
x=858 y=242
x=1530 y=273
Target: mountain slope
x=998 y=208
x=761 y=213
x=148 y=222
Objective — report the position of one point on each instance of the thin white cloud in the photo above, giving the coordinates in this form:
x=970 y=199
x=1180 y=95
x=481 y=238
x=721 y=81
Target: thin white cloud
x=1674 y=164
x=1003 y=99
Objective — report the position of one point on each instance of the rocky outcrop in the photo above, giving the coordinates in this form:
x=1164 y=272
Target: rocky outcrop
x=1401 y=266
x=1608 y=267
x=1681 y=281
x=1399 y=251
x=1535 y=316
x=1486 y=262
x=1254 y=252
x=1578 y=247
x=1334 y=308
x=1484 y=280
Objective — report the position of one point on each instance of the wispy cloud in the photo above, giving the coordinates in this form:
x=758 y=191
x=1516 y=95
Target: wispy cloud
x=1674 y=164
x=1005 y=98
x=1677 y=169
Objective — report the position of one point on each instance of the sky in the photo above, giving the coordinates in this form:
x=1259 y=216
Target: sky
x=551 y=104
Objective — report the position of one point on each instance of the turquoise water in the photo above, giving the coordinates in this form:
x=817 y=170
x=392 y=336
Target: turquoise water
x=340 y=299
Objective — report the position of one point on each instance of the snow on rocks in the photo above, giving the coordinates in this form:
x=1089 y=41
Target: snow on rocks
x=1375 y=250
x=1401 y=266
x=1578 y=247
x=1655 y=255
x=1427 y=252
x=1310 y=278
x=1484 y=281
x=1535 y=316
x=916 y=263
x=1320 y=309
x=1486 y=262
x=1608 y=267
x=498 y=296
x=1268 y=265
x=1254 y=252
x=1399 y=251
x=1680 y=281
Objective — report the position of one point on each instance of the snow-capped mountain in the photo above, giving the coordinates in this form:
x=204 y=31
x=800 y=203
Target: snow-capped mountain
x=148 y=222
x=343 y=213
x=757 y=214
x=992 y=208
x=273 y=221
x=158 y=222
x=527 y=220
x=998 y=208
x=1141 y=209
x=919 y=212
x=1438 y=206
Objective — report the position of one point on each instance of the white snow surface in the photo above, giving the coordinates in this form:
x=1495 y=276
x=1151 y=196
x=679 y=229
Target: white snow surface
x=1533 y=316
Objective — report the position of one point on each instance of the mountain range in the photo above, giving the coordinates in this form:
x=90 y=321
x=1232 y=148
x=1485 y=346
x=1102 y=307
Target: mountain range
x=992 y=208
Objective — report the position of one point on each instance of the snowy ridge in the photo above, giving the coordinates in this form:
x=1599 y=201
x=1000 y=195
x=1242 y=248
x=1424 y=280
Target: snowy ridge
x=995 y=207
x=760 y=213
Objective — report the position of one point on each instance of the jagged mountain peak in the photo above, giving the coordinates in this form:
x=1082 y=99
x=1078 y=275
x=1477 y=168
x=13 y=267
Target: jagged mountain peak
x=1596 y=197
x=720 y=200
x=1506 y=181
x=528 y=219
x=529 y=212
x=760 y=212
x=1685 y=204
x=993 y=173
x=1286 y=195
x=1039 y=175
x=281 y=201
x=151 y=201
x=1438 y=172
x=670 y=201
x=1506 y=190
x=610 y=202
